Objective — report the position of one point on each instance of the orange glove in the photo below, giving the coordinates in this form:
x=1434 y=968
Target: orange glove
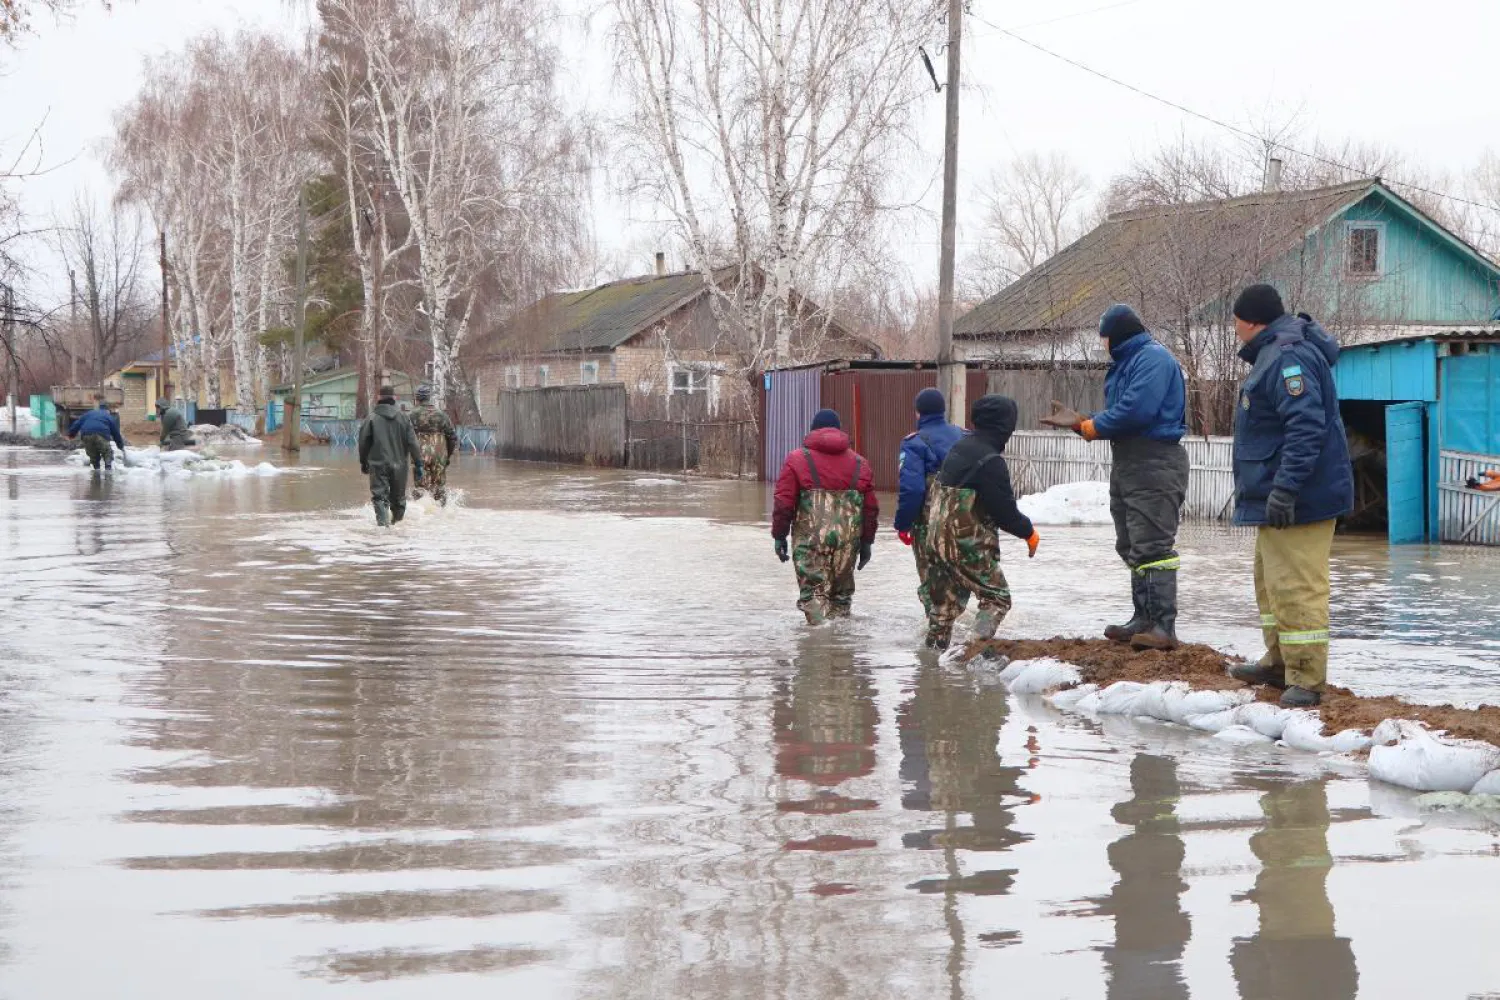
x=905 y=537
x=1087 y=430
x=1032 y=543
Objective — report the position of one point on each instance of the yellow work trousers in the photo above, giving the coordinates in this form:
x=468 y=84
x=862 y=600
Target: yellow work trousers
x=1291 y=588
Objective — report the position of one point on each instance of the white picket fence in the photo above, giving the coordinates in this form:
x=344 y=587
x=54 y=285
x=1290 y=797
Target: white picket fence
x=1041 y=459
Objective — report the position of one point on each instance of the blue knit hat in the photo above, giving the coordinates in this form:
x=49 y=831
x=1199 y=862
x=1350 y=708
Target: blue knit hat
x=930 y=402
x=1119 y=323
x=825 y=418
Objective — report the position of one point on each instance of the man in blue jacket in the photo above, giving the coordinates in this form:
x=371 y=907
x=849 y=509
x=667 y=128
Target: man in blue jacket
x=922 y=455
x=1292 y=481
x=99 y=427
x=1145 y=400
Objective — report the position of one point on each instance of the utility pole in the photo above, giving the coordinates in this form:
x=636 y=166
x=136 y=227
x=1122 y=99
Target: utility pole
x=952 y=375
x=73 y=350
x=10 y=351
x=292 y=410
x=166 y=327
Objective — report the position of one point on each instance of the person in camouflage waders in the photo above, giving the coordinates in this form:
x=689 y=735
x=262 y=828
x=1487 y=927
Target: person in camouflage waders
x=825 y=502
x=438 y=442
x=969 y=504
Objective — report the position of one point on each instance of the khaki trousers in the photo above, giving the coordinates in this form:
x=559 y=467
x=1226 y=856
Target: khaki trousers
x=1291 y=589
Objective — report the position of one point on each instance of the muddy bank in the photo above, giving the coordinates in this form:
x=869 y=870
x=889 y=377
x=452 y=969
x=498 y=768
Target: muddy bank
x=1103 y=662
x=52 y=442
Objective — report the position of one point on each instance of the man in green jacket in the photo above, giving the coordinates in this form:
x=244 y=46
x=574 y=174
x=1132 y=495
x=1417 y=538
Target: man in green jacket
x=174 y=427
x=386 y=443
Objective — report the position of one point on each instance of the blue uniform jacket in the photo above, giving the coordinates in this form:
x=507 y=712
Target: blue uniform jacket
x=1287 y=430
x=98 y=421
x=1144 y=393
x=922 y=456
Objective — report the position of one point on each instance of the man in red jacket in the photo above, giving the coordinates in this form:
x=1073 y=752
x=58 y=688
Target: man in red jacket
x=825 y=500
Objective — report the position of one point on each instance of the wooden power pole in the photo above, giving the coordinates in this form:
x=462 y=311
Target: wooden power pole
x=292 y=409
x=952 y=374
x=166 y=326
x=75 y=338
x=8 y=303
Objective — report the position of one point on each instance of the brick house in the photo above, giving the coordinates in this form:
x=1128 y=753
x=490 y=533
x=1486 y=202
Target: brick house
x=656 y=334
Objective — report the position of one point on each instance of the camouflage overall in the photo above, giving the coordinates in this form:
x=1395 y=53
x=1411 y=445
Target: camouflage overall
x=962 y=550
x=825 y=545
x=432 y=427
x=96 y=447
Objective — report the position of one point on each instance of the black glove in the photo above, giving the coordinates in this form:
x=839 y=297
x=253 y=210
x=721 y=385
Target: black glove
x=864 y=555
x=780 y=545
x=364 y=468
x=416 y=470
x=1281 y=508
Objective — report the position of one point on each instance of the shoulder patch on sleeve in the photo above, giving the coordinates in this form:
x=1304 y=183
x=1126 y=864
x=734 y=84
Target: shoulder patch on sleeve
x=1294 y=383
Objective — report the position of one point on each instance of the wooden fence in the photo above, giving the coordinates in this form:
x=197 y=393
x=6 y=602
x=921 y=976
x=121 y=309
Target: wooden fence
x=577 y=424
x=1466 y=515
x=1034 y=390
x=1042 y=459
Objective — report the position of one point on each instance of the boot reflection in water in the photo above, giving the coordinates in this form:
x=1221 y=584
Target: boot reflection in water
x=1295 y=955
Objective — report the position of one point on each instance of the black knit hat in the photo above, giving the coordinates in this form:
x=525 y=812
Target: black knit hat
x=1259 y=304
x=1119 y=323
x=930 y=403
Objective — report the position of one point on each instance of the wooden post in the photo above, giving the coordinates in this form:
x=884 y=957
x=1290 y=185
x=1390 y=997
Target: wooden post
x=73 y=349
x=292 y=411
x=166 y=329
x=952 y=375
x=9 y=304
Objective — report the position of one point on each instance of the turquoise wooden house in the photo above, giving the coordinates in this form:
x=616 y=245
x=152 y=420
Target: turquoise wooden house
x=330 y=395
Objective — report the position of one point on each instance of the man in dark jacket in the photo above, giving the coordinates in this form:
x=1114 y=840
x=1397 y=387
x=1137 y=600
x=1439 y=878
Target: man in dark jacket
x=174 y=427
x=972 y=501
x=922 y=455
x=99 y=427
x=1292 y=481
x=386 y=444
x=1145 y=400
x=825 y=500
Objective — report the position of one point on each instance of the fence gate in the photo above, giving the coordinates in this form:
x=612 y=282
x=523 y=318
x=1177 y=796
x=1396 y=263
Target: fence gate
x=1405 y=479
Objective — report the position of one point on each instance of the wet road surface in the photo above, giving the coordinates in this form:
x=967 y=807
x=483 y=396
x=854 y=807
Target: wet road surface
x=568 y=740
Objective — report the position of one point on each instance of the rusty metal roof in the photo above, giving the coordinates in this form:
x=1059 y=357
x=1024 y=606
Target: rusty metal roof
x=1145 y=256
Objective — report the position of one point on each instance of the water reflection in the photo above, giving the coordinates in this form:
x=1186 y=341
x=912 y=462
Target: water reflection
x=1295 y=954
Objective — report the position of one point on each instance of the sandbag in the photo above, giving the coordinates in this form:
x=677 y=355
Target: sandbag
x=1214 y=722
x=1193 y=703
x=1013 y=669
x=1239 y=735
x=1070 y=697
x=1427 y=762
x=1487 y=785
x=1088 y=704
x=1304 y=731
x=1267 y=719
x=1152 y=702
x=1120 y=698
x=1041 y=676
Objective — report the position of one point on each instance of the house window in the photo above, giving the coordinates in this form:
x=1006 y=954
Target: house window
x=543 y=373
x=513 y=376
x=588 y=373
x=1365 y=251
x=691 y=379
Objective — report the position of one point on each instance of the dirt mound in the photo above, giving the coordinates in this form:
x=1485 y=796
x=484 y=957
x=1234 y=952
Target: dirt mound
x=1103 y=662
x=52 y=442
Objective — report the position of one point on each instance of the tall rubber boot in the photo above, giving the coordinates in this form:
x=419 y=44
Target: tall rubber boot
x=1161 y=605
x=383 y=515
x=1140 y=621
x=397 y=513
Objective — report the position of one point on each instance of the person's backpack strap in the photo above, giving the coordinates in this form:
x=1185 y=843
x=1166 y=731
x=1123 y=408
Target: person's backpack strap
x=812 y=469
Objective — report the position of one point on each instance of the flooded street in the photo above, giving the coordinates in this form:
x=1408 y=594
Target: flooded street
x=569 y=739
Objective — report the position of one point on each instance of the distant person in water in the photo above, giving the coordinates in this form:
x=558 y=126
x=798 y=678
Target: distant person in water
x=439 y=440
x=99 y=427
x=386 y=443
x=174 y=427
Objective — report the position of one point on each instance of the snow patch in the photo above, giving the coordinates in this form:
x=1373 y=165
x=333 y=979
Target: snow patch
x=1069 y=503
x=24 y=424
x=207 y=434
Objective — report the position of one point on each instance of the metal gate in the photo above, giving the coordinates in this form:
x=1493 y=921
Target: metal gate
x=792 y=397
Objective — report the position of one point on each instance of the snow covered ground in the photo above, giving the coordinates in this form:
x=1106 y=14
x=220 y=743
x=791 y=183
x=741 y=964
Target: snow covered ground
x=152 y=461
x=24 y=420
x=1069 y=503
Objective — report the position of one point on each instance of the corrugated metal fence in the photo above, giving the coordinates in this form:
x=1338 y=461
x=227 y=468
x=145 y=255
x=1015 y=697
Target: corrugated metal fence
x=792 y=396
x=1466 y=515
x=580 y=424
x=1042 y=459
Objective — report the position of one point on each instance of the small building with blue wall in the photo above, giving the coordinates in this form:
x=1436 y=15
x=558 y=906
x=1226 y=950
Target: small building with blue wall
x=1423 y=415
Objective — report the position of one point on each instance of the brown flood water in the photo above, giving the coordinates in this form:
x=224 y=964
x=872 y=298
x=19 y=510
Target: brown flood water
x=567 y=739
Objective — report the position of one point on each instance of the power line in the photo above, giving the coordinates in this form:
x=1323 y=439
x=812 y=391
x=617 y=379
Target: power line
x=1062 y=17
x=1237 y=130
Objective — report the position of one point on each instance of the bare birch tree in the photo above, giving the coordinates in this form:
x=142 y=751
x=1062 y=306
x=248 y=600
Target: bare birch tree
x=1032 y=208
x=766 y=131
x=107 y=251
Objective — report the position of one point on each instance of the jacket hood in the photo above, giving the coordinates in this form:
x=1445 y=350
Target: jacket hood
x=828 y=440
x=995 y=419
x=1314 y=334
x=1291 y=329
x=387 y=410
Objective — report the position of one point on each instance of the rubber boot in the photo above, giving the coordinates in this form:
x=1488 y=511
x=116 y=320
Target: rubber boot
x=1140 y=622
x=397 y=513
x=1299 y=697
x=383 y=515
x=813 y=612
x=1161 y=605
x=1264 y=672
x=939 y=637
x=986 y=622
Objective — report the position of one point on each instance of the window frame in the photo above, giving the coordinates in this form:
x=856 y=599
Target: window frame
x=1378 y=228
x=543 y=376
x=514 y=379
x=588 y=373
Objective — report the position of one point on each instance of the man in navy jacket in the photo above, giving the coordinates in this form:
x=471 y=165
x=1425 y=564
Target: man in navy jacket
x=1143 y=420
x=922 y=455
x=99 y=427
x=1292 y=481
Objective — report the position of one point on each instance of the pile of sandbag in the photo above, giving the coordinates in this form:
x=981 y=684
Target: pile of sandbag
x=182 y=464
x=225 y=434
x=1401 y=752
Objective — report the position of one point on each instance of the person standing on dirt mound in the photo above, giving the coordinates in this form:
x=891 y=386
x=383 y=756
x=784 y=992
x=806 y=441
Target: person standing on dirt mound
x=1292 y=481
x=825 y=502
x=1145 y=400
x=972 y=502
x=922 y=455
x=438 y=440
x=386 y=444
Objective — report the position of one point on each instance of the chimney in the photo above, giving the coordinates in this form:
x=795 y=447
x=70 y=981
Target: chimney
x=1272 y=181
x=661 y=264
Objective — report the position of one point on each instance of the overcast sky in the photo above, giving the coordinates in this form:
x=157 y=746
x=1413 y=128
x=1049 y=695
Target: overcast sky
x=1406 y=74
